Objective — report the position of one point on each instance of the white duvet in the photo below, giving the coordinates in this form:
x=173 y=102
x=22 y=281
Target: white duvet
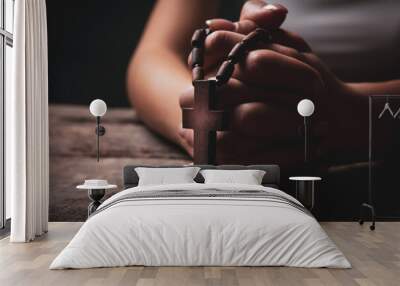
x=200 y=231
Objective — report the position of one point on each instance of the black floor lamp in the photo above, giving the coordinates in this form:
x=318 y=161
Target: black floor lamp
x=98 y=108
x=369 y=205
x=306 y=108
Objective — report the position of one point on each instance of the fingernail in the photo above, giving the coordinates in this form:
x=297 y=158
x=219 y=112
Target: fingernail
x=270 y=7
x=274 y=7
x=208 y=22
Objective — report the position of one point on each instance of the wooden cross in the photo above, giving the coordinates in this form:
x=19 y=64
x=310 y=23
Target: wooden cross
x=205 y=121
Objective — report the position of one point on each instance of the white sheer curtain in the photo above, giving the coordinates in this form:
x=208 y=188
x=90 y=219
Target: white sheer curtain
x=27 y=123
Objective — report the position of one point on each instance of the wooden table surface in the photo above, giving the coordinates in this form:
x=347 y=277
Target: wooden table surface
x=73 y=154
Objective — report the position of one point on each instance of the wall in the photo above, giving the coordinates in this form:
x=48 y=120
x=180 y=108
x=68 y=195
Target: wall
x=90 y=43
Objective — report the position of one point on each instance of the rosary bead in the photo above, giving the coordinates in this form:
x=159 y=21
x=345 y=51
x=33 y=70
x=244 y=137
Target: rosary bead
x=237 y=52
x=198 y=38
x=225 y=72
x=197 y=56
x=197 y=73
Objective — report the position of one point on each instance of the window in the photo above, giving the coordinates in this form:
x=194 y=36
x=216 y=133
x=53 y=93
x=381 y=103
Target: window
x=6 y=62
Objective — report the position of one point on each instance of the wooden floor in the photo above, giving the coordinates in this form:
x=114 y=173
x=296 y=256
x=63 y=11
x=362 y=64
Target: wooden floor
x=375 y=257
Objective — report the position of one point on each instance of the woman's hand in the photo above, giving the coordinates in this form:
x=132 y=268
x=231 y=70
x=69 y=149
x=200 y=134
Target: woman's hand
x=265 y=89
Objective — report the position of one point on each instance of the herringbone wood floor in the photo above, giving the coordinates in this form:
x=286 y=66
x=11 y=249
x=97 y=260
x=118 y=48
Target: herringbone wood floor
x=375 y=257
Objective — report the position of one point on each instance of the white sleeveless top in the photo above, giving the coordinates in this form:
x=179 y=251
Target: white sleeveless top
x=358 y=39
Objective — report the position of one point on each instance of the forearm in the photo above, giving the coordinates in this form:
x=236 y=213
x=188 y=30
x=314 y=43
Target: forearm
x=158 y=72
x=155 y=80
x=377 y=88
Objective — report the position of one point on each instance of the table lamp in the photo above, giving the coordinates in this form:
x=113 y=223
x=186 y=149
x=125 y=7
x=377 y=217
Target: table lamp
x=98 y=108
x=306 y=108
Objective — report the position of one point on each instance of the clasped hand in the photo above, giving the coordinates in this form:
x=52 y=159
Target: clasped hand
x=264 y=91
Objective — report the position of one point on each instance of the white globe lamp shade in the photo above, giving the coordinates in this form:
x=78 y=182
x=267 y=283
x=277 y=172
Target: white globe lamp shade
x=305 y=107
x=98 y=107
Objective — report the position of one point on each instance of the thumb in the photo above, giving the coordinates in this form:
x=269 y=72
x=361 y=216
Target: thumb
x=264 y=15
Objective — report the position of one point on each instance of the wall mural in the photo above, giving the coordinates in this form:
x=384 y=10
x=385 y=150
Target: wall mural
x=241 y=107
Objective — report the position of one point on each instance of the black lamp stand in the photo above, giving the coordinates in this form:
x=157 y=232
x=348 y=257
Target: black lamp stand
x=369 y=205
x=307 y=169
x=100 y=131
x=306 y=142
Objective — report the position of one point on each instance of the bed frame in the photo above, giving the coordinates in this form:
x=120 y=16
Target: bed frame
x=271 y=177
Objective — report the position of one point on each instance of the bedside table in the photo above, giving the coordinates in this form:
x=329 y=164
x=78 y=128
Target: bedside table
x=305 y=188
x=96 y=190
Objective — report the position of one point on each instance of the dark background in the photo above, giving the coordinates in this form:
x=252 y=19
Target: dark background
x=90 y=43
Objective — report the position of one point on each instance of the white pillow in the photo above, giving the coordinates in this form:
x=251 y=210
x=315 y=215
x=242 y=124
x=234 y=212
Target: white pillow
x=163 y=176
x=248 y=177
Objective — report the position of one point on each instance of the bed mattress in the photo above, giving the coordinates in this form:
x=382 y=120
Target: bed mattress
x=201 y=225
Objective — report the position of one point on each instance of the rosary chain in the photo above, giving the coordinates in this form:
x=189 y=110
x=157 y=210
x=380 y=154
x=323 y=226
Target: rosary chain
x=226 y=69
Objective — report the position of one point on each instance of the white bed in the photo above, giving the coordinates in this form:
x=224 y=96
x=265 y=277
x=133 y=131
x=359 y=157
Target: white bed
x=269 y=228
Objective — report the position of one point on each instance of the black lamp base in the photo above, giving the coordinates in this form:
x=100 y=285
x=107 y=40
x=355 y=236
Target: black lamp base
x=362 y=217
